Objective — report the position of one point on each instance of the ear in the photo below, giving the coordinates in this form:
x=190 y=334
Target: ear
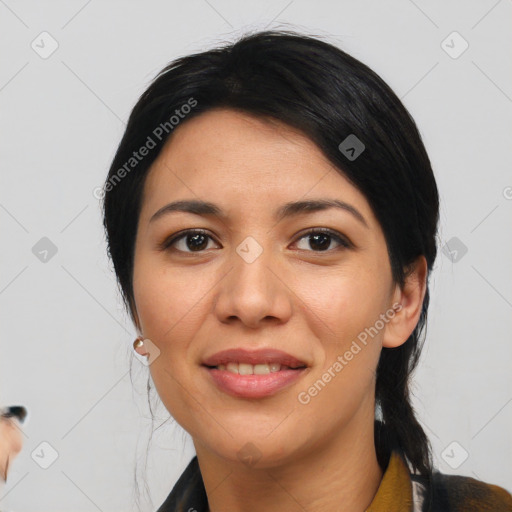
x=411 y=296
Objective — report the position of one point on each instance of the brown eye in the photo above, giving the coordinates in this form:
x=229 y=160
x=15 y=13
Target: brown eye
x=192 y=240
x=320 y=240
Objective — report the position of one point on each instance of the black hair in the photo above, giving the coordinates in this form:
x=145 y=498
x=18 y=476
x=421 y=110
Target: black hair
x=328 y=95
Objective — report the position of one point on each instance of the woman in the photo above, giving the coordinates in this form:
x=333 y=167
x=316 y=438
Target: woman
x=271 y=214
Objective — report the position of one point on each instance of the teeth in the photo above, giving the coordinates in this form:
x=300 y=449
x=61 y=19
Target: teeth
x=249 y=369
x=261 y=369
x=275 y=367
x=245 y=369
x=232 y=367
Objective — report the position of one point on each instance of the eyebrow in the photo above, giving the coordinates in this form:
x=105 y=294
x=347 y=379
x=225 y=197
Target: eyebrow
x=287 y=210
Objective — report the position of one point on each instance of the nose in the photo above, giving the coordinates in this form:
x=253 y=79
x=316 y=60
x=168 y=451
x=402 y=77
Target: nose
x=254 y=291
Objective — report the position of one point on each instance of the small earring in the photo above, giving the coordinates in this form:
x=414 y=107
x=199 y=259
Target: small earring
x=138 y=345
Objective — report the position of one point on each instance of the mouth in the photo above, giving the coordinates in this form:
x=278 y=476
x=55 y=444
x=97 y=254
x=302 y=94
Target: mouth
x=253 y=374
x=254 y=369
x=255 y=358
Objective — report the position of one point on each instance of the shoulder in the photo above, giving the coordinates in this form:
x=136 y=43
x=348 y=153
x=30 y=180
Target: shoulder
x=459 y=493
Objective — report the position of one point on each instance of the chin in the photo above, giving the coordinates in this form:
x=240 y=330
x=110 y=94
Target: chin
x=258 y=452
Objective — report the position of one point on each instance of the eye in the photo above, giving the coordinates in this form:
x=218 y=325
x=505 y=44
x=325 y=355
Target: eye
x=197 y=240
x=191 y=240
x=320 y=239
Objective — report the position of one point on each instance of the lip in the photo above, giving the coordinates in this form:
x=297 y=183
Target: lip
x=260 y=356
x=254 y=386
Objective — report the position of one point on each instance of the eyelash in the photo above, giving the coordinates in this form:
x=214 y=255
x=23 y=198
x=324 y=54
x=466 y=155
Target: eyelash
x=342 y=241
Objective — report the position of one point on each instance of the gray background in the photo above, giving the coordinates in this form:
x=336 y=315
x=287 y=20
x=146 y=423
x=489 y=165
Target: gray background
x=65 y=340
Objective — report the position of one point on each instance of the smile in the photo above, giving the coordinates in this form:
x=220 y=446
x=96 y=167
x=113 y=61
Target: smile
x=254 y=385
x=257 y=373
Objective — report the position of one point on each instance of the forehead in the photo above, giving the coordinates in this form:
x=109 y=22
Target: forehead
x=228 y=156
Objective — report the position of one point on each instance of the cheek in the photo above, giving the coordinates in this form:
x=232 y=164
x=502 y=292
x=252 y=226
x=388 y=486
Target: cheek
x=169 y=300
x=170 y=306
x=340 y=305
x=344 y=380
x=340 y=310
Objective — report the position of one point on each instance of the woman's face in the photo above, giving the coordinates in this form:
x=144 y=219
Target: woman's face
x=254 y=279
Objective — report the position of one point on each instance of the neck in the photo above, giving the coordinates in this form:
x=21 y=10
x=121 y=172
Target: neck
x=343 y=470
